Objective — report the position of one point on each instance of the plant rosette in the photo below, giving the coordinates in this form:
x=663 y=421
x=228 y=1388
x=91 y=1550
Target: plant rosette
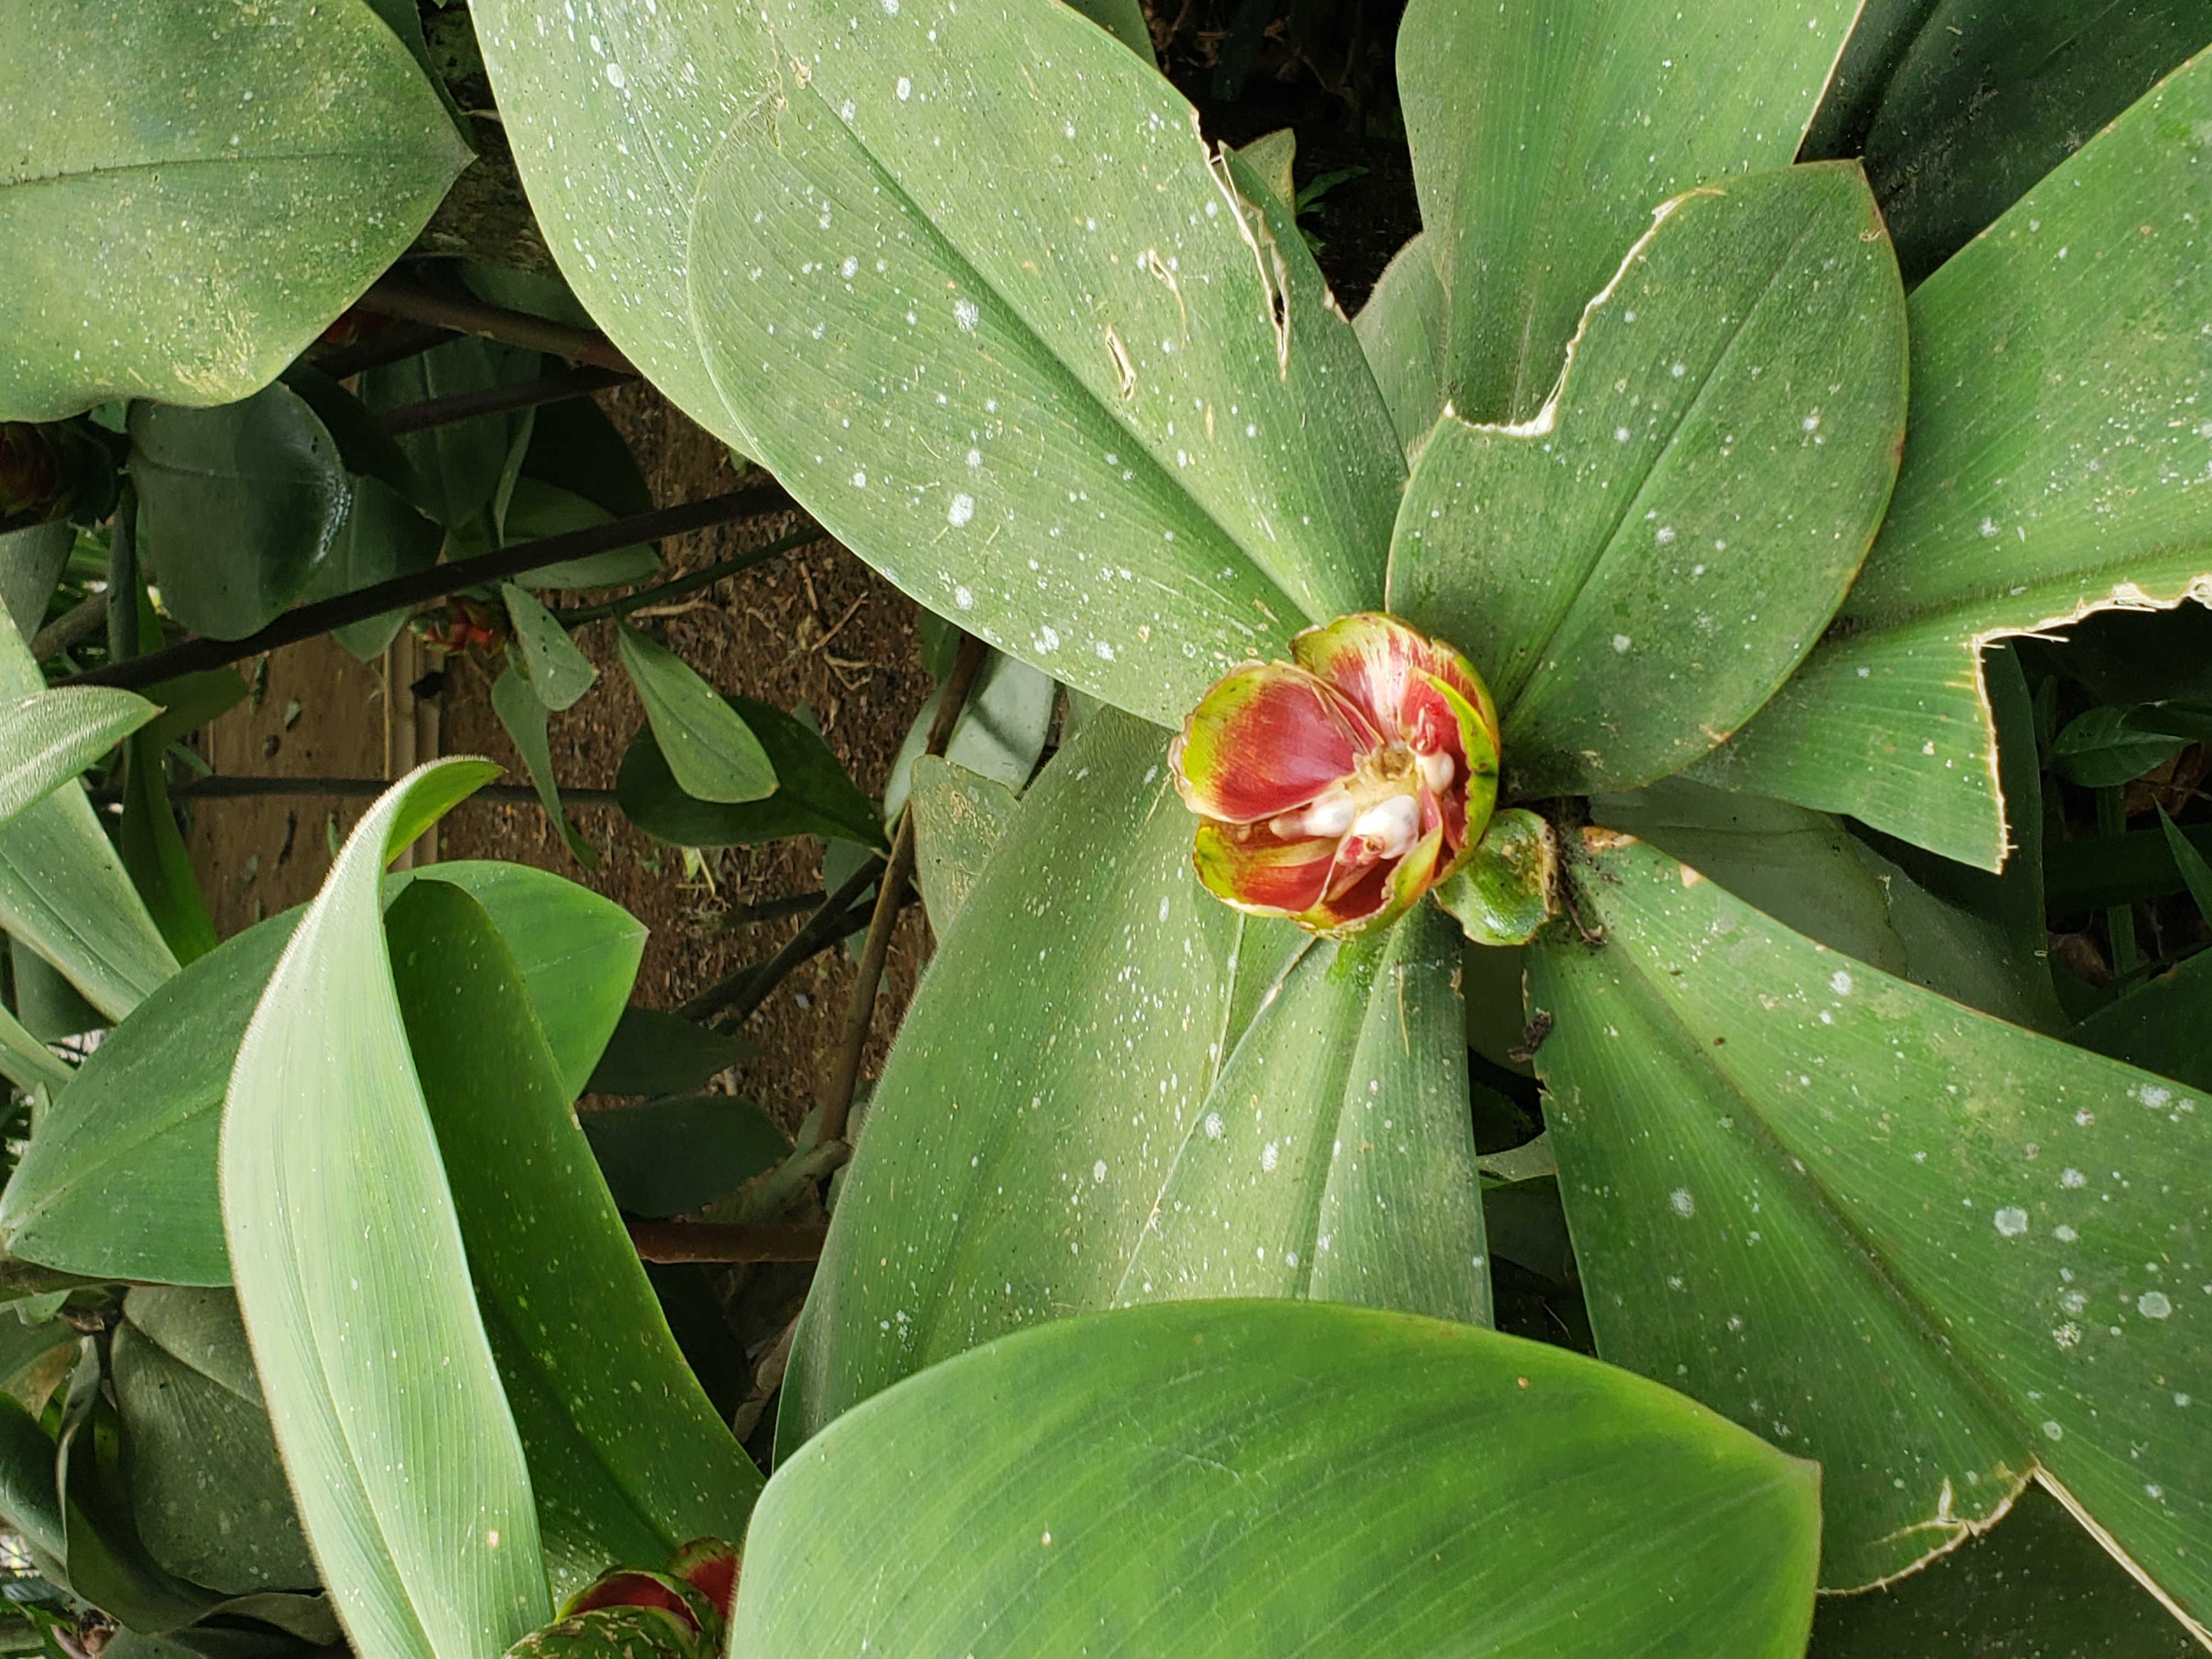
x=633 y=1612
x=1337 y=788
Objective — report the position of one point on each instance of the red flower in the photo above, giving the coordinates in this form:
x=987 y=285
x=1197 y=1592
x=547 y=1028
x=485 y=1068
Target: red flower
x=1338 y=788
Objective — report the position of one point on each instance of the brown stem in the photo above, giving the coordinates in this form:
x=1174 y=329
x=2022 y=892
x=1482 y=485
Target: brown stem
x=710 y=1241
x=837 y=1101
x=774 y=910
x=390 y=345
x=744 y=991
x=77 y=623
x=499 y=399
x=392 y=298
x=440 y=579
x=707 y=576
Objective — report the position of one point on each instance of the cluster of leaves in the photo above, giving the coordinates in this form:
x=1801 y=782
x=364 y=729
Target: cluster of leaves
x=1155 y=1299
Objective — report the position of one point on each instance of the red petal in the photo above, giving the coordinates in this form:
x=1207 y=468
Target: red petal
x=633 y=1588
x=1384 y=665
x=1254 y=869
x=1381 y=895
x=1264 y=741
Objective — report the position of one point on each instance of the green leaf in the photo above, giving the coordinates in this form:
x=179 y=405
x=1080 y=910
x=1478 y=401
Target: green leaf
x=1271 y=156
x=2098 y=749
x=814 y=796
x=537 y=509
x=193 y=196
x=1959 y=110
x=2038 y=1584
x=556 y=1274
x=711 y=752
x=1402 y=330
x=1272 y=1477
x=2017 y=509
x=1153 y=285
x=458 y=465
x=49 y=737
x=237 y=506
x=557 y=671
x=27 y=1498
x=1333 y=1158
x=671 y=1156
x=1502 y=894
x=574 y=445
x=958 y=820
x=27 y=1062
x=382 y=537
x=154 y=853
x=190 y=700
x=373 y=1359
x=119 y=1179
x=1938 y=1253
x=1636 y=567
x=2096 y=871
x=1799 y=866
x=2163 y=1025
x=2190 y=862
x=524 y=719
x=207 y=1490
x=1544 y=136
x=653 y=1053
x=32 y=561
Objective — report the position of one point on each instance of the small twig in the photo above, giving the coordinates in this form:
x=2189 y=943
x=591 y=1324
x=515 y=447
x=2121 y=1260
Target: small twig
x=840 y=626
x=707 y=576
x=390 y=345
x=499 y=399
x=745 y=916
x=709 y=1241
x=746 y=990
x=436 y=583
x=237 y=788
x=390 y=298
x=77 y=623
x=836 y=1099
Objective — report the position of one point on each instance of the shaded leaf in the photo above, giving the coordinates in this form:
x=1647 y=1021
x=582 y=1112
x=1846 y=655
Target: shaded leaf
x=523 y=717
x=958 y=818
x=653 y=1053
x=671 y=1156
x=30 y=564
x=156 y=248
x=1000 y=733
x=1402 y=330
x=1004 y=1492
x=814 y=794
x=457 y=465
x=2163 y=1025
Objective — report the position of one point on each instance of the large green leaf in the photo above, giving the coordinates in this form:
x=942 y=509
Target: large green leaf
x=2164 y=1025
x=62 y=890
x=119 y=1179
x=959 y=817
x=237 y=506
x=1638 y=567
x=32 y=561
x=676 y=1154
x=49 y=737
x=559 y=1282
x=2057 y=465
x=1269 y=1478
x=1939 y=1252
x=710 y=750
x=1402 y=330
x=207 y=1490
x=1544 y=136
x=192 y=190
x=356 y=1291
x=1103 y=412
x=458 y=465
x=1960 y=107
x=1334 y=1157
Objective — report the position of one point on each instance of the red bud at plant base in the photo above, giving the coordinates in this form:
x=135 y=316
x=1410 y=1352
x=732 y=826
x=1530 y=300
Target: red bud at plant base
x=1337 y=788
x=709 y=1565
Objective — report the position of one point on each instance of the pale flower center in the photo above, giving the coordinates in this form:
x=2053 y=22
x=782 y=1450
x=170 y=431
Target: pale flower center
x=1379 y=802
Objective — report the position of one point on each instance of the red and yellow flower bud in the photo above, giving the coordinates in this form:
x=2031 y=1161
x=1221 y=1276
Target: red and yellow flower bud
x=1337 y=788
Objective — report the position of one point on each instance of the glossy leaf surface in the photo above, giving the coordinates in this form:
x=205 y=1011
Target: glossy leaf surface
x=560 y=1288
x=2017 y=508
x=389 y=1411
x=237 y=506
x=120 y=1179
x=1544 y=136
x=193 y=191
x=1636 y=569
x=1116 y=281
x=1937 y=1252
x=1526 y=1500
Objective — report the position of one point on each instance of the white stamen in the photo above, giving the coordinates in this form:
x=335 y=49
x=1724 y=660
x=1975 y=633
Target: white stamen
x=1391 y=826
x=1438 y=771
x=1330 y=815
